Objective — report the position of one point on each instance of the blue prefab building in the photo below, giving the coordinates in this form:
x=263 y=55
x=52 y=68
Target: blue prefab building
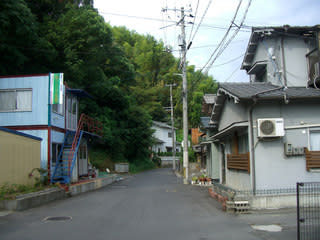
x=27 y=105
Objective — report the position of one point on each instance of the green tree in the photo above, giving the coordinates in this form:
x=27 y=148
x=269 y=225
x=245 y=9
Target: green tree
x=19 y=41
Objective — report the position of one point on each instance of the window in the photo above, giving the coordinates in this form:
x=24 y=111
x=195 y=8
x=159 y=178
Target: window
x=239 y=158
x=243 y=143
x=313 y=156
x=15 y=100
x=314 y=67
x=58 y=108
x=315 y=140
x=169 y=149
x=169 y=134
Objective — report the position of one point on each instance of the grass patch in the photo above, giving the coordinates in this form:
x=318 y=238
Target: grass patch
x=10 y=191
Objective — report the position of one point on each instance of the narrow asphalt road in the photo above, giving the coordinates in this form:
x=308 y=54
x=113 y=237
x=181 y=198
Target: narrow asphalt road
x=147 y=206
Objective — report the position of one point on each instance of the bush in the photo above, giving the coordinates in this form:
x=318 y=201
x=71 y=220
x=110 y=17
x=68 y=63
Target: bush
x=100 y=159
x=170 y=154
x=140 y=166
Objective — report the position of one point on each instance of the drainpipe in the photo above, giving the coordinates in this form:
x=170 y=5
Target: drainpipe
x=284 y=69
x=252 y=154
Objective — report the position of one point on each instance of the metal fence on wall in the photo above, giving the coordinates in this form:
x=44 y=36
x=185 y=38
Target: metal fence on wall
x=308 y=211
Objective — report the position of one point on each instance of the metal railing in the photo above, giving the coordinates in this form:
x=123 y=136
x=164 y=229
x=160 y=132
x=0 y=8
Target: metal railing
x=308 y=211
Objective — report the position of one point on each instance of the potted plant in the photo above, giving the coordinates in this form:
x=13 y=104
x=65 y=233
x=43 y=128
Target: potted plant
x=194 y=180
x=202 y=179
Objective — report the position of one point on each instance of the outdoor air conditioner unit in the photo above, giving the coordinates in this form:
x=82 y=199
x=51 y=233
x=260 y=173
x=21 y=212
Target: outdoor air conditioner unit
x=270 y=127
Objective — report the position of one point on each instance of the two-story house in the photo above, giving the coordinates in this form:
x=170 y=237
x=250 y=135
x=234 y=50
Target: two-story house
x=268 y=131
x=163 y=137
x=42 y=106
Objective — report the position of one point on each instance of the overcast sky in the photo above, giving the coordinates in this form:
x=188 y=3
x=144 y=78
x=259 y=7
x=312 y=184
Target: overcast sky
x=146 y=17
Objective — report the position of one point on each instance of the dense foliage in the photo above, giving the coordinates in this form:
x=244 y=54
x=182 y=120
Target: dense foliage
x=124 y=71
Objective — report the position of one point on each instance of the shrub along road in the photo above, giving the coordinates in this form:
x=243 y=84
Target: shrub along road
x=150 y=205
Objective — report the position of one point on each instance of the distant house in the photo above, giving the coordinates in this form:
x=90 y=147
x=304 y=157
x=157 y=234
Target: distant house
x=207 y=104
x=264 y=135
x=206 y=128
x=19 y=155
x=42 y=106
x=163 y=138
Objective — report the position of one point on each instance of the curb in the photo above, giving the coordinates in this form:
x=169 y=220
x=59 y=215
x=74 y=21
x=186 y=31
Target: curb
x=92 y=185
x=31 y=200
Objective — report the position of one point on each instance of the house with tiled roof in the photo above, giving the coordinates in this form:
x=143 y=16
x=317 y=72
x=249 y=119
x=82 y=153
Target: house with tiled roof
x=266 y=135
x=163 y=137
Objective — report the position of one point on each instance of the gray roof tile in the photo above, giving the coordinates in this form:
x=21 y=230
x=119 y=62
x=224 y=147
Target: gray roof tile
x=248 y=91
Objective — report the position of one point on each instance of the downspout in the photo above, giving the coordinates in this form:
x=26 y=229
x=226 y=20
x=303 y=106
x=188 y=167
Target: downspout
x=284 y=69
x=49 y=130
x=252 y=154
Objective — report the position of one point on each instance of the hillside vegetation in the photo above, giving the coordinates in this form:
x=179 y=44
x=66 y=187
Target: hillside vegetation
x=124 y=71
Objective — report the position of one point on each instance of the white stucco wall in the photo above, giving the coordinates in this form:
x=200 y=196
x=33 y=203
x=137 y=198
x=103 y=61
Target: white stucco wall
x=232 y=113
x=295 y=50
x=273 y=168
x=237 y=179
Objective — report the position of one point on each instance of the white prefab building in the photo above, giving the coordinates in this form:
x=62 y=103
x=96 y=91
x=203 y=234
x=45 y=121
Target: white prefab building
x=163 y=137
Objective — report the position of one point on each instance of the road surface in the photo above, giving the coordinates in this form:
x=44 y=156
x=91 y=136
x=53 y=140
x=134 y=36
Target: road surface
x=153 y=205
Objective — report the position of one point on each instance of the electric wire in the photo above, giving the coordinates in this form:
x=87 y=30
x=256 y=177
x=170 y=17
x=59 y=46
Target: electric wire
x=223 y=38
x=232 y=37
x=230 y=61
x=194 y=20
x=231 y=75
x=165 y=23
x=201 y=20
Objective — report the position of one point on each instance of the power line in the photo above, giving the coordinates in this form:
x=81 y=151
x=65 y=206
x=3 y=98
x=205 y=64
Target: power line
x=221 y=50
x=230 y=61
x=231 y=75
x=197 y=29
x=224 y=37
x=194 y=20
x=133 y=16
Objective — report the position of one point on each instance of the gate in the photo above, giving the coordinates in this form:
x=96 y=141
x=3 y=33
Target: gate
x=308 y=211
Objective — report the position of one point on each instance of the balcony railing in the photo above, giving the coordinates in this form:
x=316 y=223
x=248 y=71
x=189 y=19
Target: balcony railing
x=312 y=159
x=239 y=161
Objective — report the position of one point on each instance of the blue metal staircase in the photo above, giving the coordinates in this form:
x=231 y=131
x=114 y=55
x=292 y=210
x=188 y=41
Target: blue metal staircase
x=67 y=158
x=68 y=155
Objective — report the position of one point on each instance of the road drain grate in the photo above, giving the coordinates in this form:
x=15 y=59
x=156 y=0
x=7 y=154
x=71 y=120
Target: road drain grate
x=61 y=218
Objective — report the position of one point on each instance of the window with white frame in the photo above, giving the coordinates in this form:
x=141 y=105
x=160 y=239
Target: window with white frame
x=243 y=143
x=12 y=100
x=315 y=140
x=58 y=108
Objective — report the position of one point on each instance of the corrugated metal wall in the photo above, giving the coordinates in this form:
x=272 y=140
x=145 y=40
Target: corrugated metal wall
x=18 y=156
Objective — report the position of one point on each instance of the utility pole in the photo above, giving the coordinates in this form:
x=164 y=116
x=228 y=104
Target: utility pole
x=184 y=99
x=182 y=44
x=172 y=128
